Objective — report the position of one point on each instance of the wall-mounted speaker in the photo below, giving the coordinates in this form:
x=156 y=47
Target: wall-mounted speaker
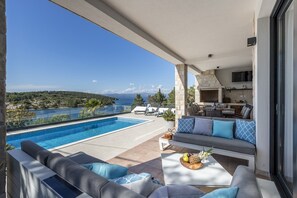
x=251 y=41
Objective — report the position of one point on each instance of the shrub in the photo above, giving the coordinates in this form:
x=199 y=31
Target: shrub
x=169 y=115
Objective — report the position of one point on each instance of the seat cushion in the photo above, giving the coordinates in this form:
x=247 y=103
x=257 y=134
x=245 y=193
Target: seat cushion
x=203 y=126
x=143 y=187
x=185 y=125
x=245 y=179
x=246 y=130
x=216 y=142
x=223 y=129
x=177 y=191
x=83 y=158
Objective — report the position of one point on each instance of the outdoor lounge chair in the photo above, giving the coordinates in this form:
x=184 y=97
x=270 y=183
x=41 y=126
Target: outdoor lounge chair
x=141 y=109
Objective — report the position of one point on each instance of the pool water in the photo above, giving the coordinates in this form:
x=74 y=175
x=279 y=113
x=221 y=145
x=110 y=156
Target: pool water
x=58 y=136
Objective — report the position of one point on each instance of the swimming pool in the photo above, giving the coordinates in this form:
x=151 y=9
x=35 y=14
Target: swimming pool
x=58 y=136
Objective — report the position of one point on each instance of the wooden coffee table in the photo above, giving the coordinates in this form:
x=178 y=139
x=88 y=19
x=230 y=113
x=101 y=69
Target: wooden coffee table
x=212 y=174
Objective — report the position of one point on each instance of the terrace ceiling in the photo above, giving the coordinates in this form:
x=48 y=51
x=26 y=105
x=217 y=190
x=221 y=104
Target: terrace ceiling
x=180 y=31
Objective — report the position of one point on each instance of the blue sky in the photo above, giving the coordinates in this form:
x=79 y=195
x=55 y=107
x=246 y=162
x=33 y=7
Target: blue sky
x=50 y=48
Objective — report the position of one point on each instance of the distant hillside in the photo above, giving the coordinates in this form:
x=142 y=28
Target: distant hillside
x=53 y=99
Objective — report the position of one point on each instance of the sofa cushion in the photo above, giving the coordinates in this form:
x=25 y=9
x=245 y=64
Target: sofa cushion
x=83 y=158
x=34 y=150
x=245 y=179
x=108 y=171
x=177 y=191
x=203 y=126
x=222 y=193
x=185 y=125
x=216 y=142
x=113 y=190
x=77 y=175
x=223 y=129
x=246 y=130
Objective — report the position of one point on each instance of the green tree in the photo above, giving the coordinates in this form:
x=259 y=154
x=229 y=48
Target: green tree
x=159 y=98
x=93 y=104
x=171 y=98
x=19 y=117
x=191 y=95
x=138 y=101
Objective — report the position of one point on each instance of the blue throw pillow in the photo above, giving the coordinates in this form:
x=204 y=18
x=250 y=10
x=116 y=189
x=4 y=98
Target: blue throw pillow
x=246 y=130
x=127 y=179
x=203 y=126
x=108 y=171
x=223 y=129
x=222 y=193
x=185 y=125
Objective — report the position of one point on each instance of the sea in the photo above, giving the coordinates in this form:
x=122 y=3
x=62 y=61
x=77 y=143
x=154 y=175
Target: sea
x=123 y=101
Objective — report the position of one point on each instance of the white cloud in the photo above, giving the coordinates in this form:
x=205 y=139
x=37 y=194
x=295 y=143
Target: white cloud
x=131 y=84
x=94 y=81
x=159 y=86
x=30 y=87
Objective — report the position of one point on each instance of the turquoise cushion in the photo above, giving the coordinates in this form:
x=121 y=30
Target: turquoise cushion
x=130 y=178
x=223 y=129
x=185 y=125
x=222 y=193
x=246 y=130
x=109 y=171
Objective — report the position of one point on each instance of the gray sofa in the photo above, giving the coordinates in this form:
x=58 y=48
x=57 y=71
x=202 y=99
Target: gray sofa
x=36 y=172
x=228 y=147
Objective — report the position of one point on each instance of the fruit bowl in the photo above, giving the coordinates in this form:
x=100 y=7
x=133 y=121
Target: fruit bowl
x=194 y=166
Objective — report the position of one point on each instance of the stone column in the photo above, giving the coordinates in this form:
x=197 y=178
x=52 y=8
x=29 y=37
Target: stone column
x=220 y=95
x=197 y=91
x=2 y=98
x=181 y=86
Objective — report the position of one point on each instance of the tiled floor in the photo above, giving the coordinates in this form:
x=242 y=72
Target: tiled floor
x=146 y=158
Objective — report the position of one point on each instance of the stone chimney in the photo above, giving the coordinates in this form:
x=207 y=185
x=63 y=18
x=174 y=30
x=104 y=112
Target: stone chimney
x=209 y=89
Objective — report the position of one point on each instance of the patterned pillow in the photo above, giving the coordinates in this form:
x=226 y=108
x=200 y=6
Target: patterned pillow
x=130 y=178
x=185 y=125
x=246 y=130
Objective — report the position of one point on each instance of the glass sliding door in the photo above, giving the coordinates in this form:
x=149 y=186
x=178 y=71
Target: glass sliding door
x=283 y=163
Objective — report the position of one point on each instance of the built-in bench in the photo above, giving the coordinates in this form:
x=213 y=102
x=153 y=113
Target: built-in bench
x=229 y=147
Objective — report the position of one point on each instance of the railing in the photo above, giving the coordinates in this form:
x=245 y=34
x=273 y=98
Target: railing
x=22 y=118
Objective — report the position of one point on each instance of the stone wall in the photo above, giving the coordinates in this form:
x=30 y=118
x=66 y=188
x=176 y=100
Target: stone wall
x=181 y=86
x=2 y=97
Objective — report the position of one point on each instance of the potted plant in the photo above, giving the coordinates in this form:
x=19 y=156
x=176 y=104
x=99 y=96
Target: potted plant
x=169 y=116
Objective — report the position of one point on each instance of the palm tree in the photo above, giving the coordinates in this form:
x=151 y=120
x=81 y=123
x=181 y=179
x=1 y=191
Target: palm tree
x=93 y=104
x=2 y=98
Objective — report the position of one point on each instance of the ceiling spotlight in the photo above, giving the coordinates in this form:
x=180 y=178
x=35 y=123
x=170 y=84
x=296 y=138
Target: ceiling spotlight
x=210 y=55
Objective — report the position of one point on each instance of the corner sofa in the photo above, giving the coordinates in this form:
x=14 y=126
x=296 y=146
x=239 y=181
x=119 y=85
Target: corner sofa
x=229 y=147
x=35 y=172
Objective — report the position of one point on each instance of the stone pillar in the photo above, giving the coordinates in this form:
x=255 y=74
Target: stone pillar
x=181 y=86
x=220 y=95
x=2 y=98
x=197 y=91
